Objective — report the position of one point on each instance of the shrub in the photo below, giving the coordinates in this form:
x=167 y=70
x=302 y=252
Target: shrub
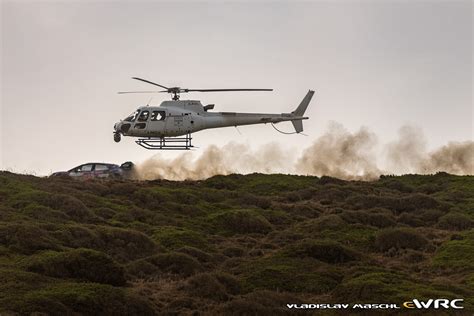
x=398 y=186
x=223 y=182
x=411 y=219
x=121 y=244
x=14 y=281
x=70 y=205
x=430 y=216
x=397 y=205
x=200 y=255
x=124 y=244
x=455 y=221
x=277 y=217
x=177 y=208
x=330 y=180
x=414 y=256
x=176 y=263
x=123 y=188
x=330 y=194
x=175 y=237
x=104 y=212
x=230 y=283
x=248 y=199
x=44 y=213
x=288 y=273
x=148 y=198
x=420 y=201
x=300 y=195
x=327 y=251
x=27 y=238
x=233 y=252
x=207 y=286
x=169 y=263
x=456 y=254
x=84 y=264
x=370 y=287
x=242 y=222
x=82 y=298
x=430 y=188
x=399 y=238
x=141 y=269
x=331 y=221
x=424 y=217
x=184 y=196
x=258 y=303
x=307 y=210
x=368 y=217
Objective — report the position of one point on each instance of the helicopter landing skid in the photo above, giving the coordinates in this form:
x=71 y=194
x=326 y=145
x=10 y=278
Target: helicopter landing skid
x=166 y=143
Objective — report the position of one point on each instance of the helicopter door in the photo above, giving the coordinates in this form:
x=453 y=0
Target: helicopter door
x=140 y=124
x=158 y=122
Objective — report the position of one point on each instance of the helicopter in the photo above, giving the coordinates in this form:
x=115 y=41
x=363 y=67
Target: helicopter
x=170 y=125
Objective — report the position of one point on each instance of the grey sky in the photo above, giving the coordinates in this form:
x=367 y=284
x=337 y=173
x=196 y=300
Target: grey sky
x=378 y=64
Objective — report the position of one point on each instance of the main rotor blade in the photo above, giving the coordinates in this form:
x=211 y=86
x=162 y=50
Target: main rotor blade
x=220 y=90
x=147 y=81
x=123 y=92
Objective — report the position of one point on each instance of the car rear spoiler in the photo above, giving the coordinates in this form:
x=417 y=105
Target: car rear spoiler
x=128 y=165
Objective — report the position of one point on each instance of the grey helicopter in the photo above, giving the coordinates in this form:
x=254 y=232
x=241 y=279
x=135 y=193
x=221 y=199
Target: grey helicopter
x=169 y=126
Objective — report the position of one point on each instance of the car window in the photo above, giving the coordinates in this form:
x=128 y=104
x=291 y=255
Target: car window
x=85 y=168
x=101 y=167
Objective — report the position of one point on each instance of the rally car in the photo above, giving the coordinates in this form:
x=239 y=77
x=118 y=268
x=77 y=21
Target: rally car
x=98 y=170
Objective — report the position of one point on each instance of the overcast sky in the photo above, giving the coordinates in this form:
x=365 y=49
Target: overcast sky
x=379 y=64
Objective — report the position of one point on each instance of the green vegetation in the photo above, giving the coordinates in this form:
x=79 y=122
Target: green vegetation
x=400 y=238
x=241 y=245
x=82 y=264
x=456 y=254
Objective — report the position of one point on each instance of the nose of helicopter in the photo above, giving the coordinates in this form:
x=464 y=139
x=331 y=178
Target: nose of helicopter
x=122 y=127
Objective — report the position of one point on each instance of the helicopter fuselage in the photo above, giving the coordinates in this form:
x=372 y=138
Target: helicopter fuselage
x=181 y=117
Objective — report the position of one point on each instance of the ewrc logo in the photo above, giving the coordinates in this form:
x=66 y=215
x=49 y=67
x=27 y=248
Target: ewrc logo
x=415 y=303
x=431 y=303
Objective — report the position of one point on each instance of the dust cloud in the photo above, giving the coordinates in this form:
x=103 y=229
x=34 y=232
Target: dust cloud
x=409 y=155
x=341 y=154
x=337 y=153
x=231 y=158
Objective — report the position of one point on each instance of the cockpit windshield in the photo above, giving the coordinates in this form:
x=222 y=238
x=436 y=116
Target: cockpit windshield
x=132 y=116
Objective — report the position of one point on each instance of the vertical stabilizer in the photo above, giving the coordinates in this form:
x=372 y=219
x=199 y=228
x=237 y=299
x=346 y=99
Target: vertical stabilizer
x=304 y=104
x=298 y=124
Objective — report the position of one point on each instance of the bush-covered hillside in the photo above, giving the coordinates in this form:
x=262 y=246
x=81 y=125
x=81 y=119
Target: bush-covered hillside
x=235 y=244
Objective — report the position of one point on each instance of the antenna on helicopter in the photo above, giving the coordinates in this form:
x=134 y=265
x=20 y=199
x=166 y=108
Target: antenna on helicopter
x=148 y=103
x=175 y=91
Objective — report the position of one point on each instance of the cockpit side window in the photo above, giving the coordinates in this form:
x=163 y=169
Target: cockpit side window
x=158 y=115
x=132 y=117
x=144 y=116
